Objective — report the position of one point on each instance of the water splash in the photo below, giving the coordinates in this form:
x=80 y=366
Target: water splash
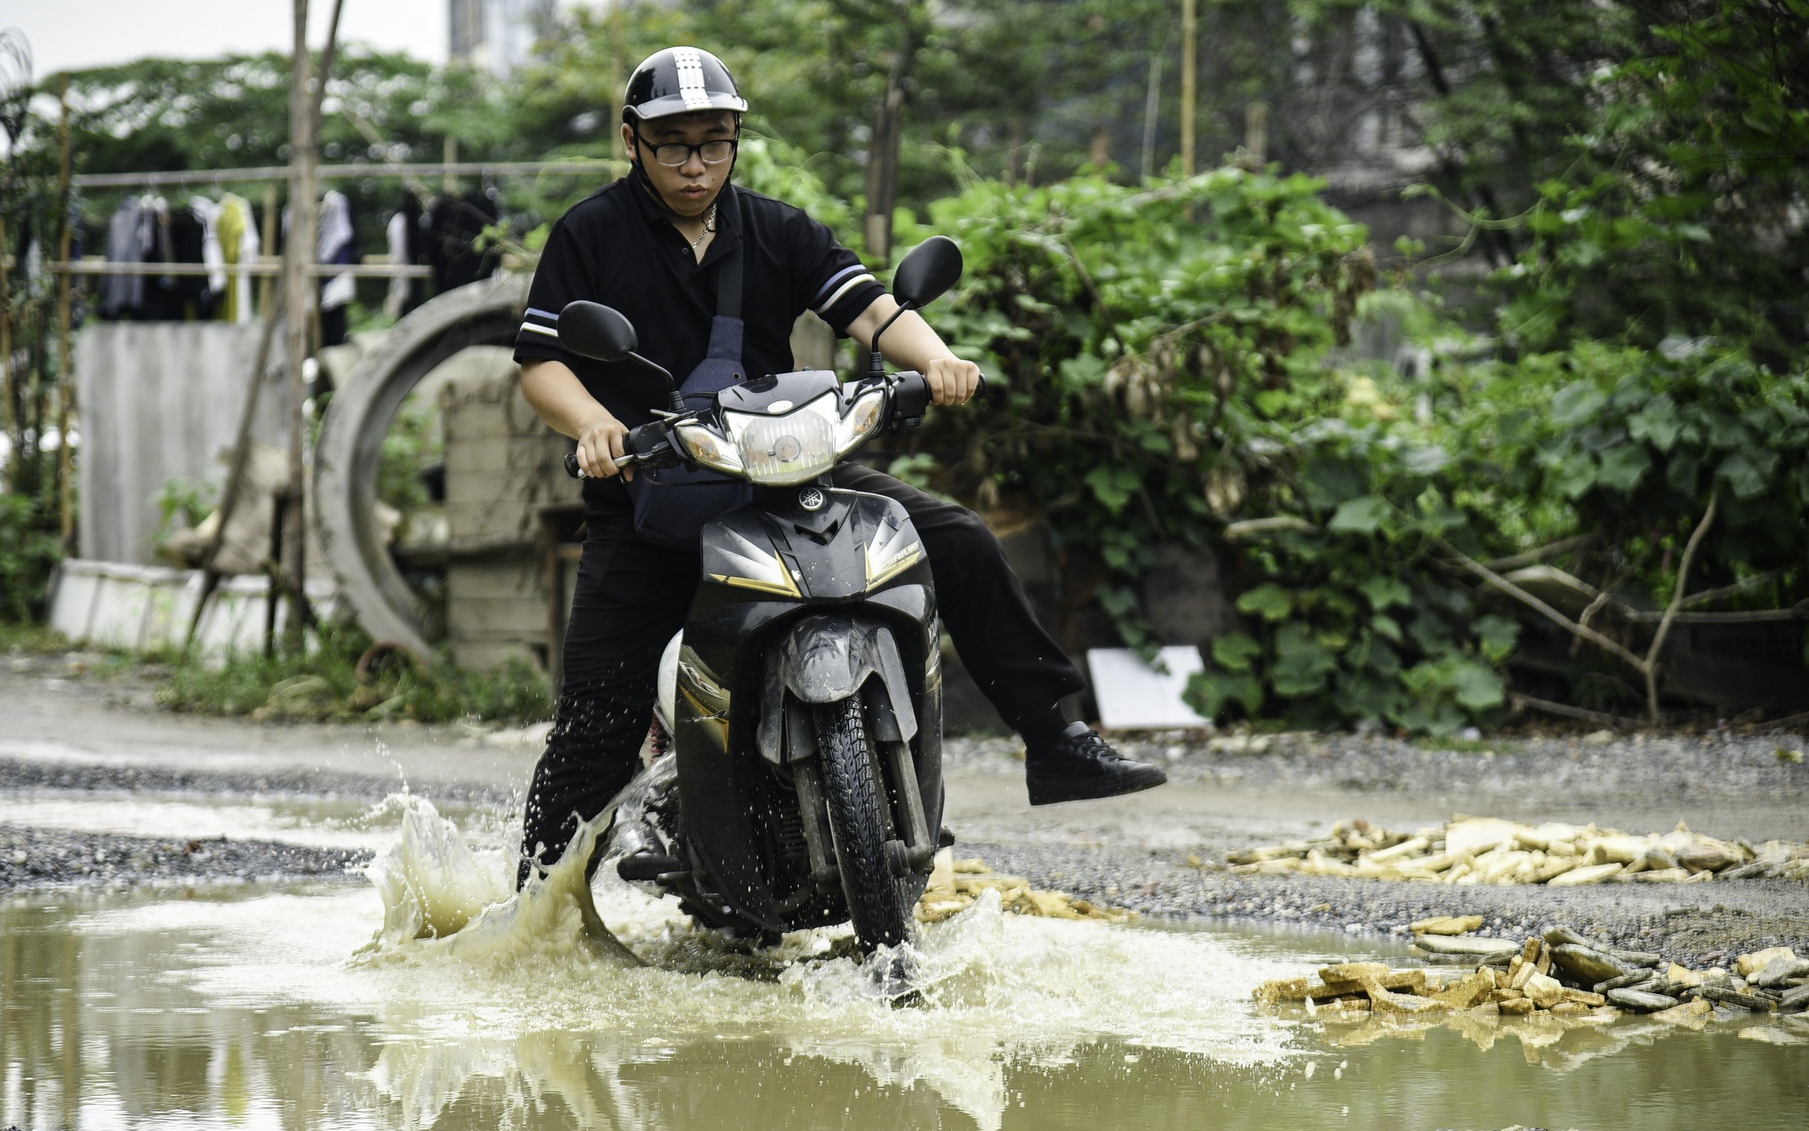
x=435 y=888
x=991 y=988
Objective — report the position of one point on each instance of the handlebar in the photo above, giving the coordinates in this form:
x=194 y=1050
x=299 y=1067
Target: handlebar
x=650 y=444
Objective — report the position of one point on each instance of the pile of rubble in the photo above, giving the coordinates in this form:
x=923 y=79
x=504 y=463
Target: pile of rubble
x=1486 y=850
x=1561 y=974
x=955 y=884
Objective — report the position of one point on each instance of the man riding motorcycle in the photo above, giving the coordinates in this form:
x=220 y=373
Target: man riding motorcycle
x=713 y=277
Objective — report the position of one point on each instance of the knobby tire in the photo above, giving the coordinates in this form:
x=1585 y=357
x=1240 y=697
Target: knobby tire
x=857 y=820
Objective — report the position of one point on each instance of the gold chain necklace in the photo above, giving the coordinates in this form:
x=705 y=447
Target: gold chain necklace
x=709 y=227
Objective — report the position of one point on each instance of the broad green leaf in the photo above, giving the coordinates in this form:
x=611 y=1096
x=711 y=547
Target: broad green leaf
x=1235 y=651
x=1623 y=467
x=1368 y=696
x=1379 y=657
x=1576 y=404
x=1431 y=633
x=1576 y=475
x=1386 y=627
x=1211 y=692
x=1749 y=470
x=1359 y=516
x=1112 y=485
x=1497 y=635
x=1301 y=663
x=1478 y=688
x=1269 y=601
x=1428 y=460
x=1384 y=591
x=1657 y=423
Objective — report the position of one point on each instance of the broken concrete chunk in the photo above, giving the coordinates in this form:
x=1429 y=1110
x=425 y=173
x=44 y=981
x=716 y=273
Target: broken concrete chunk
x=1446 y=925
x=1544 y=992
x=1708 y=857
x=1588 y=874
x=1353 y=971
x=1754 y=1002
x=1283 y=989
x=1477 y=835
x=1469 y=945
x=1750 y=964
x=1689 y=1013
x=1640 y=1001
x=1516 y=1007
x=1583 y=965
x=1633 y=979
x=1469 y=990
x=1794 y=999
x=1383 y=1001
x=1619 y=848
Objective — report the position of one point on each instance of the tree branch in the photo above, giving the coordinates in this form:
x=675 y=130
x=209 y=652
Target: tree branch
x=1664 y=626
x=1504 y=585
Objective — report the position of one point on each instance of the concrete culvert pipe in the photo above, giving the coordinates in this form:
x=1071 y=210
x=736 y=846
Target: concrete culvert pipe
x=351 y=446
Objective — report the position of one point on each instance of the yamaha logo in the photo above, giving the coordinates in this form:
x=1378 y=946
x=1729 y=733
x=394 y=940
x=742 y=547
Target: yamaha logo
x=811 y=499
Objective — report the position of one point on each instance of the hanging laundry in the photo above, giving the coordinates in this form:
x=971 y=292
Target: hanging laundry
x=405 y=250
x=190 y=296
x=453 y=228
x=121 y=296
x=239 y=248
x=338 y=244
x=212 y=255
x=162 y=301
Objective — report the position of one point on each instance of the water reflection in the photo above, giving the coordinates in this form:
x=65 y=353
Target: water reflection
x=248 y=1010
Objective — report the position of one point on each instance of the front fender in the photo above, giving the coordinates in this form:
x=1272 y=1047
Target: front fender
x=828 y=657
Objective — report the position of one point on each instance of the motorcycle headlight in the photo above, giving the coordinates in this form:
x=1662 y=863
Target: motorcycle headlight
x=791 y=448
x=862 y=419
x=707 y=448
x=783 y=451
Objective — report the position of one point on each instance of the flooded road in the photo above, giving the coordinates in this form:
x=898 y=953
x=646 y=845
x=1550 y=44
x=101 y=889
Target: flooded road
x=242 y=1007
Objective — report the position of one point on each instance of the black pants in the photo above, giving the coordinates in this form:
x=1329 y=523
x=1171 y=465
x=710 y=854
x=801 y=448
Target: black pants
x=632 y=597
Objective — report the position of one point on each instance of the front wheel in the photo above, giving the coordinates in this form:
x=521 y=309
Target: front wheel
x=857 y=821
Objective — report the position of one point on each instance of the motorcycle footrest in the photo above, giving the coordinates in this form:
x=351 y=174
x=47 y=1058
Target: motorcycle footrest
x=642 y=867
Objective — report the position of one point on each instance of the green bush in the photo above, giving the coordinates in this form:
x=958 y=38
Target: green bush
x=29 y=550
x=325 y=684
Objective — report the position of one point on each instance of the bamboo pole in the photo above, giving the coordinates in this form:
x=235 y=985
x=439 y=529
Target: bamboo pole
x=65 y=358
x=1189 y=81
x=306 y=92
x=298 y=249
x=7 y=391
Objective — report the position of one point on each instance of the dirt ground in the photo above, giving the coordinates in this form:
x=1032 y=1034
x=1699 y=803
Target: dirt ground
x=67 y=732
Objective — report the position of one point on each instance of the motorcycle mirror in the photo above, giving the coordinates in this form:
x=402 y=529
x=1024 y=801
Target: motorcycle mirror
x=932 y=268
x=590 y=329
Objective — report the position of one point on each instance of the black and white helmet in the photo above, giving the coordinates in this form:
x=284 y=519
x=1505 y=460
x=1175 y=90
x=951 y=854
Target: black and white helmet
x=680 y=80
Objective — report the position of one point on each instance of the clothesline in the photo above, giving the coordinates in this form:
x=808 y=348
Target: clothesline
x=342 y=172
x=262 y=268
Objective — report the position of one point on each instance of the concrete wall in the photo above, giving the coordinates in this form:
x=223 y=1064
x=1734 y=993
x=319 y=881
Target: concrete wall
x=160 y=401
x=502 y=465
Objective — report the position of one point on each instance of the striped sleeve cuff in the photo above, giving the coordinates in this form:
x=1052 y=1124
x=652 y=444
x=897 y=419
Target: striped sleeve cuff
x=839 y=286
x=537 y=323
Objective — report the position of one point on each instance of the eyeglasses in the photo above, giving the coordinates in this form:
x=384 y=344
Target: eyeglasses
x=678 y=153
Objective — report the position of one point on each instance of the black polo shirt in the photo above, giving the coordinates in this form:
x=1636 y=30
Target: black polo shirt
x=616 y=247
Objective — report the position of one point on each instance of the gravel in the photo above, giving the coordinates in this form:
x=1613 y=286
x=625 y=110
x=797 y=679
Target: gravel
x=33 y=858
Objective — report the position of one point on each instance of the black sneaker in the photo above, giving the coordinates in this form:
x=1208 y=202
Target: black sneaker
x=1083 y=765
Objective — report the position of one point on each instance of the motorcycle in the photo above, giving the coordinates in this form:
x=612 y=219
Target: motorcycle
x=803 y=697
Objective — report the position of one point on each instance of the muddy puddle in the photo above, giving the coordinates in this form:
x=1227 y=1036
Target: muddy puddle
x=314 y=1006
